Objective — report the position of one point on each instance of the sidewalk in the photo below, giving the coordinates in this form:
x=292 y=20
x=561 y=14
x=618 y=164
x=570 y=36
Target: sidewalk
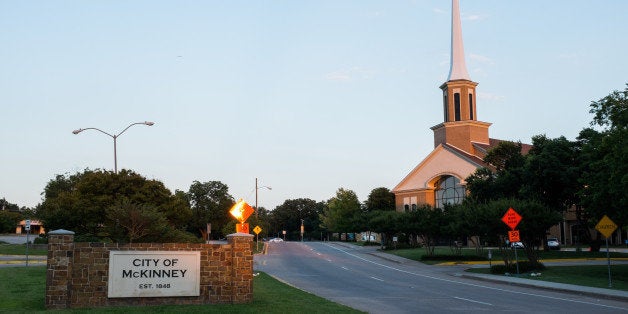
x=20 y=260
x=512 y=280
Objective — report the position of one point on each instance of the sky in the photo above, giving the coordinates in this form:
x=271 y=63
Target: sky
x=306 y=96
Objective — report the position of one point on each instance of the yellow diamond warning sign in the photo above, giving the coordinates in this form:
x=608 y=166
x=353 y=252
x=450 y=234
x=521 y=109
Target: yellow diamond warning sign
x=606 y=226
x=257 y=229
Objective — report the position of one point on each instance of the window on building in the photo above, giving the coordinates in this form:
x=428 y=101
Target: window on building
x=413 y=207
x=457 y=106
x=471 y=106
x=448 y=191
x=406 y=208
x=446 y=108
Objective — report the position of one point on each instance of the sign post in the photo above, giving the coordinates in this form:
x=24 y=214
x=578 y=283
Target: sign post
x=511 y=218
x=257 y=230
x=28 y=231
x=606 y=227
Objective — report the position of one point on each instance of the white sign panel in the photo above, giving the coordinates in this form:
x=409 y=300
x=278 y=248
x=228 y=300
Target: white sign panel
x=154 y=274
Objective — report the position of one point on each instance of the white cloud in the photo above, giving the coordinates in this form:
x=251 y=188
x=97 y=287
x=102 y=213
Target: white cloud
x=481 y=59
x=489 y=96
x=350 y=74
x=338 y=76
x=471 y=17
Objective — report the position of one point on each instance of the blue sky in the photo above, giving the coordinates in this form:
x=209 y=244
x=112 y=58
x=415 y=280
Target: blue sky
x=307 y=96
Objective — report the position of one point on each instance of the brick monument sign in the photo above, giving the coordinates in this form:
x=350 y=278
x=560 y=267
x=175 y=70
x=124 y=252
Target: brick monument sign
x=101 y=274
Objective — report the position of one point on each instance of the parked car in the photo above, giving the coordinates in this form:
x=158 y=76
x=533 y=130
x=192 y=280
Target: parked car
x=553 y=244
x=517 y=245
x=274 y=240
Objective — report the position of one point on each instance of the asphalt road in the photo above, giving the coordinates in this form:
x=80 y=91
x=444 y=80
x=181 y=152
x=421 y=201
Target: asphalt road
x=354 y=277
x=16 y=238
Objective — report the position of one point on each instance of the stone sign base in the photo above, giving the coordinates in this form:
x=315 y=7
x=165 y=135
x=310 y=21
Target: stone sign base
x=78 y=273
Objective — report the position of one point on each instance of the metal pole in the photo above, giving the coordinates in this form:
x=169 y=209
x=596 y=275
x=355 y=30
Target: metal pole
x=115 y=155
x=517 y=260
x=256 y=198
x=608 y=257
x=28 y=231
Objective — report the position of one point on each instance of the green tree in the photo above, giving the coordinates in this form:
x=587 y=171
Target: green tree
x=210 y=203
x=551 y=173
x=10 y=216
x=386 y=223
x=288 y=216
x=506 y=177
x=380 y=199
x=139 y=221
x=341 y=212
x=79 y=202
x=604 y=178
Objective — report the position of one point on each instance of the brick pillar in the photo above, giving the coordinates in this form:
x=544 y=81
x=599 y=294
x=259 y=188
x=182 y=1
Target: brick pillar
x=241 y=267
x=59 y=269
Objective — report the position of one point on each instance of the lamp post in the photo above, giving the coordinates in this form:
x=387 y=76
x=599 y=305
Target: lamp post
x=114 y=137
x=257 y=188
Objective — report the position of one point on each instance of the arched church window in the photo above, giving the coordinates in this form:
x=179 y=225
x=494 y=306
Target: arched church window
x=448 y=191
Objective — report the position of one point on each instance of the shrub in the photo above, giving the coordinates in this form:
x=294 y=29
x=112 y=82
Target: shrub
x=455 y=257
x=524 y=267
x=40 y=240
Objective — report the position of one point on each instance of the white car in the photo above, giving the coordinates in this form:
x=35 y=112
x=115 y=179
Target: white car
x=275 y=240
x=517 y=245
x=553 y=244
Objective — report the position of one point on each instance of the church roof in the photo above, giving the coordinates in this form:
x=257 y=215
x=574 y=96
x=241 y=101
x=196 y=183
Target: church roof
x=493 y=142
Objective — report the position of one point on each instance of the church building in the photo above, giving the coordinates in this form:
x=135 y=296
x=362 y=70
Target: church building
x=460 y=141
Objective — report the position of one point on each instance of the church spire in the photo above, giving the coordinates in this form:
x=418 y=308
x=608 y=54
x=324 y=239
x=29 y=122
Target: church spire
x=460 y=127
x=458 y=68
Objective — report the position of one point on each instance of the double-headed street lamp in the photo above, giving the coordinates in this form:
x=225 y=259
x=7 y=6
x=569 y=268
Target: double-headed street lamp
x=114 y=137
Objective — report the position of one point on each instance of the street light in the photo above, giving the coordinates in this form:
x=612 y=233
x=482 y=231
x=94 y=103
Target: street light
x=257 y=188
x=114 y=137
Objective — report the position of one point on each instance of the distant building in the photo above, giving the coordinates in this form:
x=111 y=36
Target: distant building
x=36 y=227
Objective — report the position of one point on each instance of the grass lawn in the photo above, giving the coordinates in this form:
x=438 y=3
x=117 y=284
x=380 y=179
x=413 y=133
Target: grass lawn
x=592 y=276
x=22 y=289
x=20 y=249
x=417 y=254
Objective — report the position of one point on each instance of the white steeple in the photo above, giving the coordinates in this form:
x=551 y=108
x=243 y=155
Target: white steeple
x=458 y=68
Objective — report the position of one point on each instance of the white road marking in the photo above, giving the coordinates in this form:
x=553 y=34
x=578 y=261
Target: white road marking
x=345 y=268
x=377 y=278
x=474 y=301
x=474 y=285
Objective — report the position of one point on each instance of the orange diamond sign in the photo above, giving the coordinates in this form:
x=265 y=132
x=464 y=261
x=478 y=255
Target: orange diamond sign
x=241 y=211
x=511 y=218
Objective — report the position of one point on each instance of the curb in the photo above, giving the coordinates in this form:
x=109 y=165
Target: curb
x=552 y=286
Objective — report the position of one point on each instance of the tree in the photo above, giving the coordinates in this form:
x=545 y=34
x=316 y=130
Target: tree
x=380 y=199
x=288 y=216
x=551 y=173
x=386 y=223
x=505 y=180
x=138 y=220
x=79 y=202
x=341 y=211
x=604 y=178
x=10 y=216
x=210 y=203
